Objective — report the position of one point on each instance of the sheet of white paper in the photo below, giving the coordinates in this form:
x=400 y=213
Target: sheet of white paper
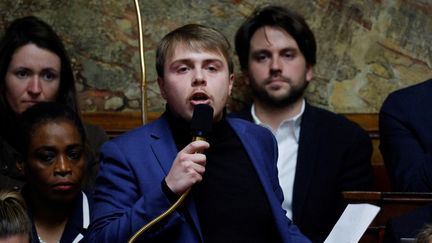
x=353 y=223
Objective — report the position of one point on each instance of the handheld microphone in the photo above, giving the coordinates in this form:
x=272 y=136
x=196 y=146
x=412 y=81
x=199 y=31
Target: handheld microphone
x=201 y=123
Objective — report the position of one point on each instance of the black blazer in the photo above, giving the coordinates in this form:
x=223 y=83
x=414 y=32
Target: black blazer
x=333 y=156
x=406 y=137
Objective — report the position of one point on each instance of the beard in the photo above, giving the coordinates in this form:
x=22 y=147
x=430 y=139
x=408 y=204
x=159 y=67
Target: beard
x=294 y=94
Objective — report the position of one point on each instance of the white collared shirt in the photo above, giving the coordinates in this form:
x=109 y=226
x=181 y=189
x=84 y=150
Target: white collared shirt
x=287 y=136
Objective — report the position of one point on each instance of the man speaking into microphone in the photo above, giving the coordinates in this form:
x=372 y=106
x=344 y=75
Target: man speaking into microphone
x=230 y=170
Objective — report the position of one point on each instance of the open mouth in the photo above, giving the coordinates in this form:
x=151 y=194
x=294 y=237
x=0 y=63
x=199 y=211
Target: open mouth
x=199 y=98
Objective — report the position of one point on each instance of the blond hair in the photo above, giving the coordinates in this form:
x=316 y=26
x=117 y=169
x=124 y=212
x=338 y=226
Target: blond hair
x=425 y=235
x=13 y=215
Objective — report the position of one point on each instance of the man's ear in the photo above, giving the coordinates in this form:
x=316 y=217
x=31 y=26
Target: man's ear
x=161 y=84
x=231 y=83
x=309 y=73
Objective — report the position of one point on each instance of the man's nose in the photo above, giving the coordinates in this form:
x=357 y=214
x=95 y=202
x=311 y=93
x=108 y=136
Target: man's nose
x=275 y=63
x=198 y=78
x=275 y=66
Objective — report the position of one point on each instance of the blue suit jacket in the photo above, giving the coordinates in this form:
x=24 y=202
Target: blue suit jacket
x=333 y=156
x=128 y=188
x=406 y=137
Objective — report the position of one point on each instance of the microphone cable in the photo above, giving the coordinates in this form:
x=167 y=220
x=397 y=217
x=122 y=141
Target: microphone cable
x=161 y=216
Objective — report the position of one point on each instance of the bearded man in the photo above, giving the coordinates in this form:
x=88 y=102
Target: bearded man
x=321 y=154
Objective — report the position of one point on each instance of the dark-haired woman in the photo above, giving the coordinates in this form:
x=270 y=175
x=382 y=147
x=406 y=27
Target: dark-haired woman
x=34 y=67
x=52 y=159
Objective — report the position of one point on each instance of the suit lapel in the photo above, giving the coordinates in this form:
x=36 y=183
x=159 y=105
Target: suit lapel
x=249 y=146
x=165 y=151
x=257 y=158
x=306 y=160
x=163 y=145
x=261 y=162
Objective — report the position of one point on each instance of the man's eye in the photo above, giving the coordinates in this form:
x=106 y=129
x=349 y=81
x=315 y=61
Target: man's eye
x=261 y=57
x=288 y=55
x=212 y=68
x=182 y=69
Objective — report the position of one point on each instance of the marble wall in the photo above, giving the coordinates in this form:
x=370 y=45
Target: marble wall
x=366 y=48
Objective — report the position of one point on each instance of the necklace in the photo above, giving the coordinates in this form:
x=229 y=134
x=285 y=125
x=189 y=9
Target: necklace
x=42 y=241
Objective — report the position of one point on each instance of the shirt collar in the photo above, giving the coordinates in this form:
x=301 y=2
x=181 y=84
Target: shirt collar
x=296 y=120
